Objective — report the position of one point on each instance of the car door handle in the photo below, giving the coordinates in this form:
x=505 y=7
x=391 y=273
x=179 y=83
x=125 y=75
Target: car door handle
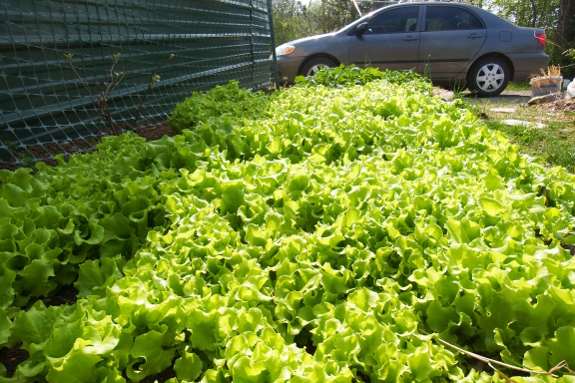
x=410 y=38
x=474 y=36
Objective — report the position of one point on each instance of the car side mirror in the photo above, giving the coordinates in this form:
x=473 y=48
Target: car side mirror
x=361 y=28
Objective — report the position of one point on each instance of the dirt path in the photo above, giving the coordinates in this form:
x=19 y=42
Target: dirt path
x=507 y=97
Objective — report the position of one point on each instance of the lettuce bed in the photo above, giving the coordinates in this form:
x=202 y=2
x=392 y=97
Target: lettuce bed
x=317 y=241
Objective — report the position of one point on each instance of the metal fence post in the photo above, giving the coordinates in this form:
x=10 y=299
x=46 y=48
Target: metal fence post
x=273 y=46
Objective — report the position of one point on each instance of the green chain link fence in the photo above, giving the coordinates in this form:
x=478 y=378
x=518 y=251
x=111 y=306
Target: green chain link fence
x=44 y=108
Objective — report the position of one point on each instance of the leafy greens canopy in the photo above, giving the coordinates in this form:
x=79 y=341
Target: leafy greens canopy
x=306 y=241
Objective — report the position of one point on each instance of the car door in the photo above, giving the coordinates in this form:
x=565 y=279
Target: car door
x=390 y=42
x=450 y=38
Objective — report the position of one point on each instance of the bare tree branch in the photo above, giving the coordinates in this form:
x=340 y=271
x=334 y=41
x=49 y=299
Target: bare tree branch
x=490 y=362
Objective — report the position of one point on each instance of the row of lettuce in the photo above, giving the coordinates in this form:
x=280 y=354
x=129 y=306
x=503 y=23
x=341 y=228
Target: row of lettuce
x=313 y=235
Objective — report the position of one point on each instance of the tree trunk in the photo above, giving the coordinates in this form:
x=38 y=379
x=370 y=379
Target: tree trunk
x=566 y=22
x=544 y=13
x=534 y=14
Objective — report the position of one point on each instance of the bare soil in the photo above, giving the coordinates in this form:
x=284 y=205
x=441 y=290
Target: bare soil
x=11 y=358
x=46 y=152
x=66 y=294
x=559 y=106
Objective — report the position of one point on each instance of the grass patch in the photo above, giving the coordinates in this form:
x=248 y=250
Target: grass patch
x=519 y=85
x=555 y=143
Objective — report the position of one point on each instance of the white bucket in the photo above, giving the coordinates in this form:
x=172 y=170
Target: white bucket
x=570 y=90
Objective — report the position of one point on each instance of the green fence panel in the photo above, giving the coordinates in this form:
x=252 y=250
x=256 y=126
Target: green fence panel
x=44 y=109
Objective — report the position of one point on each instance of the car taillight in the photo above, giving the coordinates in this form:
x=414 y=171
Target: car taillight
x=541 y=38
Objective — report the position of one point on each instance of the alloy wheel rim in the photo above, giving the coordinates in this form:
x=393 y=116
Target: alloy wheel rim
x=314 y=69
x=490 y=77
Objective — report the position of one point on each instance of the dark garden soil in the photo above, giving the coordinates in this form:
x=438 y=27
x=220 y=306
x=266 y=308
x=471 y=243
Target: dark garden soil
x=161 y=377
x=66 y=294
x=11 y=358
x=156 y=132
x=46 y=152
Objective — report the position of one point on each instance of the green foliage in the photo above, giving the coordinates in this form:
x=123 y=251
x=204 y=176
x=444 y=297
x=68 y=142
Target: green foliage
x=567 y=60
x=526 y=13
x=345 y=76
x=293 y=20
x=100 y=205
x=228 y=101
x=558 y=57
x=305 y=244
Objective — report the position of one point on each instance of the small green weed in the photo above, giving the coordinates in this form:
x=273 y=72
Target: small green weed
x=519 y=85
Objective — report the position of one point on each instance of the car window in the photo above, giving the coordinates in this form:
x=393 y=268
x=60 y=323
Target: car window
x=399 y=20
x=450 y=19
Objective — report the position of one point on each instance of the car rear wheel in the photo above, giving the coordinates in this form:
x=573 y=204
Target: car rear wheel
x=315 y=65
x=489 y=76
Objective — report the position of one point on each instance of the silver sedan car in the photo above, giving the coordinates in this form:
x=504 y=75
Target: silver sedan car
x=452 y=43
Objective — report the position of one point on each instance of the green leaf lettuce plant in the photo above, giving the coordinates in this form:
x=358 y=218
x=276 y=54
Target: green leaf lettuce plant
x=334 y=235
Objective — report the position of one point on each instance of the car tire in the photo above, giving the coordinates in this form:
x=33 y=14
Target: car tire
x=488 y=76
x=310 y=68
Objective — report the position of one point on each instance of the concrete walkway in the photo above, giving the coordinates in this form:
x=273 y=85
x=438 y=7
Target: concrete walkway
x=507 y=97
